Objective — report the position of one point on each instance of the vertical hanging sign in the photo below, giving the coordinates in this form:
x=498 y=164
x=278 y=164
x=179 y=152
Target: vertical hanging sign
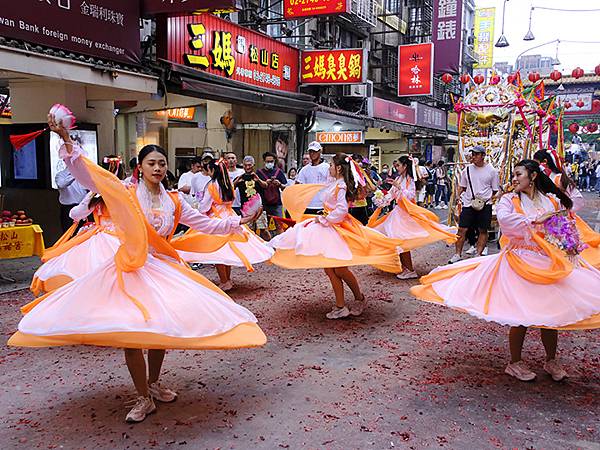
x=415 y=70
x=484 y=37
x=447 y=36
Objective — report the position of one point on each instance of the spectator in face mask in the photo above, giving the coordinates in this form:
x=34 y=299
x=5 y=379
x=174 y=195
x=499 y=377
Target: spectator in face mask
x=274 y=181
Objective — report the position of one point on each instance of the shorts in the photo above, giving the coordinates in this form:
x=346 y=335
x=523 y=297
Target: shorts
x=430 y=189
x=262 y=223
x=274 y=210
x=469 y=218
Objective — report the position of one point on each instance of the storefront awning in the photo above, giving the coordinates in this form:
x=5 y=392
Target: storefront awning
x=193 y=83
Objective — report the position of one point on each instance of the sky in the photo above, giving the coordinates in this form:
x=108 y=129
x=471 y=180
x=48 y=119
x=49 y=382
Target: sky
x=547 y=26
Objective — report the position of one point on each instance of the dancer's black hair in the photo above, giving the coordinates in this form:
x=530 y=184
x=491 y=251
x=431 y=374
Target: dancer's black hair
x=221 y=176
x=543 y=183
x=342 y=160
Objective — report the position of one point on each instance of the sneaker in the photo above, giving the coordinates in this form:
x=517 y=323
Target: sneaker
x=555 y=370
x=520 y=371
x=438 y=207
x=407 y=275
x=162 y=394
x=142 y=407
x=445 y=206
x=338 y=313
x=472 y=250
x=358 y=307
x=456 y=258
x=484 y=252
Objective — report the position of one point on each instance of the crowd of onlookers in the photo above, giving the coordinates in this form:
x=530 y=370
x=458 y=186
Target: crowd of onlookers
x=586 y=174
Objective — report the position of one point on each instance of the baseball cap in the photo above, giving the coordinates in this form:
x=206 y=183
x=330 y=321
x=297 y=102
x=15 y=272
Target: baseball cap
x=207 y=155
x=314 y=146
x=478 y=149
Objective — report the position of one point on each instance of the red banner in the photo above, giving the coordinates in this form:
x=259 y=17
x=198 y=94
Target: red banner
x=220 y=47
x=293 y=9
x=415 y=70
x=345 y=66
x=182 y=7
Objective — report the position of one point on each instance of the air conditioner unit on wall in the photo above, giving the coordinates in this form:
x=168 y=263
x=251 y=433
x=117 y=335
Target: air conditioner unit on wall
x=358 y=90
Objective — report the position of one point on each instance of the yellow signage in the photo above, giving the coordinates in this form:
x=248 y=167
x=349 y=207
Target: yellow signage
x=484 y=37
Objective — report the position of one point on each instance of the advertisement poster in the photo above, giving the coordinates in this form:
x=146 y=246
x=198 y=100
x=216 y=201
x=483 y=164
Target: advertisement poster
x=415 y=70
x=484 y=37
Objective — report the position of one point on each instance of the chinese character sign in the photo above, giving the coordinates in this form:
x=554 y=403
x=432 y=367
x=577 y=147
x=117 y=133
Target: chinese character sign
x=107 y=29
x=484 y=37
x=447 y=35
x=415 y=69
x=185 y=7
x=345 y=66
x=293 y=9
x=340 y=137
x=223 y=48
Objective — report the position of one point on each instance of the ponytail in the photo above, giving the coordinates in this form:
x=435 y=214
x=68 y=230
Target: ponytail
x=543 y=156
x=221 y=176
x=341 y=160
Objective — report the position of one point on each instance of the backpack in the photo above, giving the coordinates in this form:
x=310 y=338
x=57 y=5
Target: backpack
x=271 y=195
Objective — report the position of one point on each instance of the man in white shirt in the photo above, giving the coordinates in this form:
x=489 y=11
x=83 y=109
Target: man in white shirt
x=234 y=171
x=478 y=185
x=184 y=185
x=317 y=172
x=70 y=193
x=200 y=180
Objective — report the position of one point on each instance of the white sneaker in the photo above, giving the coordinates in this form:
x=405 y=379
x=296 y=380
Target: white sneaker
x=555 y=370
x=142 y=407
x=520 y=371
x=438 y=207
x=484 y=252
x=456 y=258
x=338 y=313
x=407 y=275
x=358 y=307
x=162 y=394
x=445 y=206
x=471 y=250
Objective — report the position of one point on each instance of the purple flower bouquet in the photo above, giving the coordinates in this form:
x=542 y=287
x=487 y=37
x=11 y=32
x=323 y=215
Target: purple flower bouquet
x=560 y=230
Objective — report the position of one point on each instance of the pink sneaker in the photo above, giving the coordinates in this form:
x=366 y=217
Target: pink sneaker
x=520 y=371
x=555 y=370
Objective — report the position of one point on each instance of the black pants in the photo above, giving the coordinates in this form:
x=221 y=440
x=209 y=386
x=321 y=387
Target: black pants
x=313 y=211
x=65 y=220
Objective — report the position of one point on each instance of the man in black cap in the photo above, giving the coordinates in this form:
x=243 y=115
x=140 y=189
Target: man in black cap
x=478 y=185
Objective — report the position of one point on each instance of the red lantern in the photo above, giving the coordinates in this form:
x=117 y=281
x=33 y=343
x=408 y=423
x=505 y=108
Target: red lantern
x=577 y=73
x=595 y=104
x=580 y=103
x=478 y=79
x=555 y=75
x=592 y=127
x=597 y=70
x=447 y=78
x=510 y=78
x=574 y=128
x=551 y=118
x=567 y=105
x=533 y=76
x=465 y=78
x=495 y=79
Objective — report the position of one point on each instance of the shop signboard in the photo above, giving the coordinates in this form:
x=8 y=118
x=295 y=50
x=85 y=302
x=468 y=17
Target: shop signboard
x=447 y=35
x=415 y=69
x=183 y=7
x=219 y=47
x=107 y=29
x=395 y=112
x=484 y=37
x=186 y=114
x=429 y=117
x=292 y=9
x=340 y=66
x=340 y=137
x=584 y=99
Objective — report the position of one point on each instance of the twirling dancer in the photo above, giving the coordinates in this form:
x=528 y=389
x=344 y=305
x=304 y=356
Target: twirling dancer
x=552 y=167
x=145 y=297
x=94 y=244
x=414 y=225
x=537 y=280
x=335 y=240
x=216 y=202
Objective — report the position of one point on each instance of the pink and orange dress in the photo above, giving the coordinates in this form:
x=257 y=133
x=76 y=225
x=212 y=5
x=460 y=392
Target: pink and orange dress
x=70 y=259
x=529 y=283
x=414 y=225
x=588 y=235
x=250 y=250
x=334 y=239
x=145 y=296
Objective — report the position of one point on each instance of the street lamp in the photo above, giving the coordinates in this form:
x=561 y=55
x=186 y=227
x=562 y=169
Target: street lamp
x=502 y=41
x=529 y=36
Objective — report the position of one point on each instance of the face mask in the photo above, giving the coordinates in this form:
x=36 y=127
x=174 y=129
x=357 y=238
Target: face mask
x=385 y=171
x=269 y=165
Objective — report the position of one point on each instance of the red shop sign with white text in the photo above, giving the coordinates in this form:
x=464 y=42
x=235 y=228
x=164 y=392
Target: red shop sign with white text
x=223 y=48
x=293 y=9
x=415 y=69
x=345 y=66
